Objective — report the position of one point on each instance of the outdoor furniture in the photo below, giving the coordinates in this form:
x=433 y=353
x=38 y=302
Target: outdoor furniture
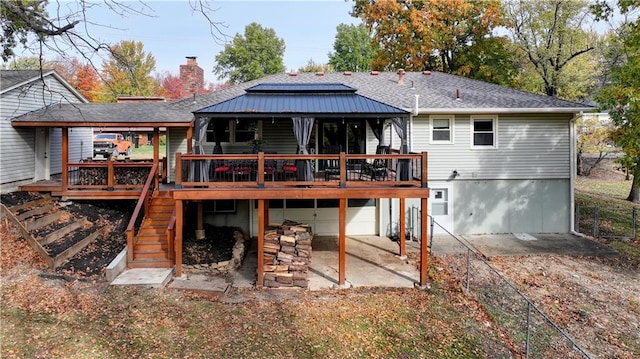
x=289 y=170
x=379 y=168
x=219 y=170
x=331 y=166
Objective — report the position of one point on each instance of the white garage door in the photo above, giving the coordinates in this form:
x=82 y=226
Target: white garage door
x=322 y=215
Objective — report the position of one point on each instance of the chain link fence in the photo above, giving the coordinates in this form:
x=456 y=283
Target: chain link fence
x=525 y=327
x=607 y=222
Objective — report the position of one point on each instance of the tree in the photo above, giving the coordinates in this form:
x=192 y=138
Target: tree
x=429 y=34
x=64 y=32
x=622 y=99
x=252 y=56
x=352 y=47
x=82 y=77
x=128 y=71
x=29 y=63
x=170 y=85
x=312 y=66
x=551 y=34
x=593 y=143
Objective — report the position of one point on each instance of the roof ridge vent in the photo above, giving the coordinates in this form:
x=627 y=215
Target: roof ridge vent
x=347 y=73
x=426 y=73
x=320 y=73
x=293 y=73
x=375 y=73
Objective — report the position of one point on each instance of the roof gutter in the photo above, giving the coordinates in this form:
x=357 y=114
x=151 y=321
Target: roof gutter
x=473 y=111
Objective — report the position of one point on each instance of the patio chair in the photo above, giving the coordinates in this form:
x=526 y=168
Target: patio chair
x=379 y=168
x=331 y=166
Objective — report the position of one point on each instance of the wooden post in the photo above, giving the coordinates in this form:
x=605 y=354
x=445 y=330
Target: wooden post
x=65 y=159
x=190 y=140
x=178 y=170
x=111 y=173
x=342 y=264
x=343 y=170
x=424 y=177
x=156 y=154
x=200 y=228
x=403 y=230
x=424 y=240
x=266 y=213
x=178 y=241
x=260 y=172
x=260 y=274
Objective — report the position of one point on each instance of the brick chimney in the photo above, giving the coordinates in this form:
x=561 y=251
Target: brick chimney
x=191 y=78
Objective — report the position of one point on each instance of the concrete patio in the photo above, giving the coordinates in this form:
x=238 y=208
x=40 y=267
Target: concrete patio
x=374 y=261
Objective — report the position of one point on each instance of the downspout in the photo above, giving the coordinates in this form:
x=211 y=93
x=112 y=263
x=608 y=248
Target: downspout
x=572 y=176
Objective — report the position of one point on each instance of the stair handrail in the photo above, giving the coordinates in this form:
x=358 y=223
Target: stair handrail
x=171 y=234
x=143 y=200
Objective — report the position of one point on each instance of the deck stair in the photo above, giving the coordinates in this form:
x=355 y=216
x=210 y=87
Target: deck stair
x=151 y=248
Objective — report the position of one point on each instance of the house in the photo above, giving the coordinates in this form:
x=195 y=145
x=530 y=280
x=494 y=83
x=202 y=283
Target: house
x=479 y=158
x=33 y=154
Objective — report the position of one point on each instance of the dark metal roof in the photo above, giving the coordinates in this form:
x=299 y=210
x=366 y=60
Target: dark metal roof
x=307 y=87
x=328 y=99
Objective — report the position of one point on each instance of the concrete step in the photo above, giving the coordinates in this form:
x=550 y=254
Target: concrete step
x=148 y=277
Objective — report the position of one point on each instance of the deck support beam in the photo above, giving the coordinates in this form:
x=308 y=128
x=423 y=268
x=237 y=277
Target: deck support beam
x=342 y=262
x=156 y=154
x=403 y=229
x=200 y=227
x=178 y=240
x=261 y=220
x=424 y=240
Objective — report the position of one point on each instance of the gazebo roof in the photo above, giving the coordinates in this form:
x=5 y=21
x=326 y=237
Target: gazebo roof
x=300 y=99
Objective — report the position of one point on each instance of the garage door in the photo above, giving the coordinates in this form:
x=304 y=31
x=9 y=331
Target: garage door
x=322 y=215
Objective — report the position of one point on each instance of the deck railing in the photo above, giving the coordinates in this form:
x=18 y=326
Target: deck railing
x=142 y=207
x=329 y=170
x=110 y=175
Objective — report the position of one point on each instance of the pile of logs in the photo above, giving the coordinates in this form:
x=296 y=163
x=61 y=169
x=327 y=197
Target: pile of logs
x=287 y=254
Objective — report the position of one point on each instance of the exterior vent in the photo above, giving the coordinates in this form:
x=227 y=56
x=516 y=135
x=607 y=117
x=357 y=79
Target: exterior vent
x=426 y=73
x=375 y=73
x=293 y=73
x=319 y=73
x=347 y=73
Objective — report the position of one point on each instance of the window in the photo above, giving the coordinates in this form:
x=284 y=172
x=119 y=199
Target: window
x=222 y=126
x=232 y=131
x=220 y=206
x=484 y=132
x=441 y=129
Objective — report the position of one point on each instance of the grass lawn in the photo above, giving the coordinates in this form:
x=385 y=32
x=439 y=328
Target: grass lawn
x=42 y=321
x=615 y=212
x=144 y=152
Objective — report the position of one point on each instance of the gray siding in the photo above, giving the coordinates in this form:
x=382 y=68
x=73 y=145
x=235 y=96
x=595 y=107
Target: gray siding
x=176 y=142
x=17 y=145
x=507 y=206
x=529 y=147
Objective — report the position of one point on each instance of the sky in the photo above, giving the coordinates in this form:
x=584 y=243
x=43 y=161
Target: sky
x=174 y=30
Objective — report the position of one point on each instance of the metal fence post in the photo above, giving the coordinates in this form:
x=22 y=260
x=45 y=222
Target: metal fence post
x=528 y=329
x=468 y=267
x=596 y=216
x=634 y=220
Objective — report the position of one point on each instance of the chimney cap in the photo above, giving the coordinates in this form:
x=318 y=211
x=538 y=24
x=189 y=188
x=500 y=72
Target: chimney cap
x=191 y=57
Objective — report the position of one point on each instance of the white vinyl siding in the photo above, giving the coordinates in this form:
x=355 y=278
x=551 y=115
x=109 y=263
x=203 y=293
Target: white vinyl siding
x=531 y=147
x=17 y=145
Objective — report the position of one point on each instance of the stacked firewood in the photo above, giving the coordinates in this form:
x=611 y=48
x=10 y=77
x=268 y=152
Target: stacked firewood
x=91 y=176
x=287 y=254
